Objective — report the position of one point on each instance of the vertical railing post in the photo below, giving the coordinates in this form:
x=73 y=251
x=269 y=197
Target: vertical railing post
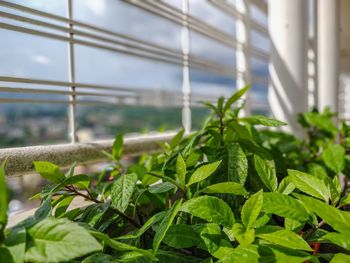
x=243 y=63
x=71 y=76
x=186 y=87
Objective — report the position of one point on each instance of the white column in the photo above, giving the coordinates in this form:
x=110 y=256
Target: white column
x=186 y=87
x=243 y=64
x=288 y=91
x=328 y=54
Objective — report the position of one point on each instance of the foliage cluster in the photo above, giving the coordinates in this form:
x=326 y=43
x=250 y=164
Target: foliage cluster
x=227 y=193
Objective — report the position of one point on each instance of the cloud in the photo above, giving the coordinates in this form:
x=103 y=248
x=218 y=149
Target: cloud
x=41 y=59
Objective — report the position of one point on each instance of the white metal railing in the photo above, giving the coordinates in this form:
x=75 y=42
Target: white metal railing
x=73 y=32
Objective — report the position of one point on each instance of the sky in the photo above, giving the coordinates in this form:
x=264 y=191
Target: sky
x=23 y=55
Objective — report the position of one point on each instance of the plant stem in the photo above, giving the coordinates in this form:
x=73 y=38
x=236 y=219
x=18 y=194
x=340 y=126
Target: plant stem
x=121 y=214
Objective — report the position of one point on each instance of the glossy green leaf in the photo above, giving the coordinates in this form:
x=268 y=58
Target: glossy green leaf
x=117 y=148
x=293 y=225
x=235 y=97
x=273 y=253
x=309 y=184
x=176 y=257
x=244 y=236
x=286 y=238
x=165 y=225
x=15 y=242
x=340 y=258
x=263 y=120
x=3 y=198
x=122 y=190
x=237 y=164
x=286 y=186
x=251 y=209
x=211 y=209
x=245 y=254
x=54 y=240
x=203 y=172
x=50 y=171
x=181 y=236
x=225 y=188
x=161 y=187
x=120 y=246
x=62 y=207
x=100 y=258
x=181 y=170
x=177 y=138
x=285 y=206
x=267 y=172
x=339 y=220
x=334 y=157
x=339 y=239
x=210 y=234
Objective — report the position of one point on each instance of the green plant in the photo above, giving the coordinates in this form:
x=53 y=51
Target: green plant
x=222 y=194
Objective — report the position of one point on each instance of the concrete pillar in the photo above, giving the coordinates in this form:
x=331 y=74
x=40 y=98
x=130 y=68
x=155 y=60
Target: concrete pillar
x=288 y=91
x=328 y=54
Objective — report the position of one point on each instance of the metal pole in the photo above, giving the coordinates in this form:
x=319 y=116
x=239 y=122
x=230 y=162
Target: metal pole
x=71 y=75
x=243 y=50
x=186 y=87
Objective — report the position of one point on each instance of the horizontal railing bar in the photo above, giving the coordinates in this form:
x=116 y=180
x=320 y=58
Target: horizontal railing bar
x=231 y=10
x=197 y=27
x=88 y=102
x=197 y=63
x=68 y=84
x=61 y=92
x=20 y=160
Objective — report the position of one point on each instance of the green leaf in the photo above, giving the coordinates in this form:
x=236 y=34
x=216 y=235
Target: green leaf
x=293 y=225
x=210 y=234
x=262 y=120
x=181 y=171
x=340 y=258
x=247 y=254
x=181 y=236
x=165 y=224
x=99 y=258
x=176 y=257
x=122 y=190
x=237 y=164
x=3 y=199
x=160 y=188
x=339 y=220
x=149 y=223
x=345 y=200
x=309 y=184
x=273 y=253
x=286 y=186
x=53 y=240
x=244 y=236
x=117 y=148
x=285 y=206
x=211 y=209
x=267 y=172
x=63 y=205
x=177 y=138
x=235 y=97
x=15 y=242
x=339 y=239
x=203 y=172
x=50 y=171
x=225 y=188
x=251 y=209
x=286 y=238
x=334 y=157
x=120 y=246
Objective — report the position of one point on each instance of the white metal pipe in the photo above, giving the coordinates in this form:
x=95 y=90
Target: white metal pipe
x=186 y=86
x=328 y=54
x=288 y=93
x=243 y=50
